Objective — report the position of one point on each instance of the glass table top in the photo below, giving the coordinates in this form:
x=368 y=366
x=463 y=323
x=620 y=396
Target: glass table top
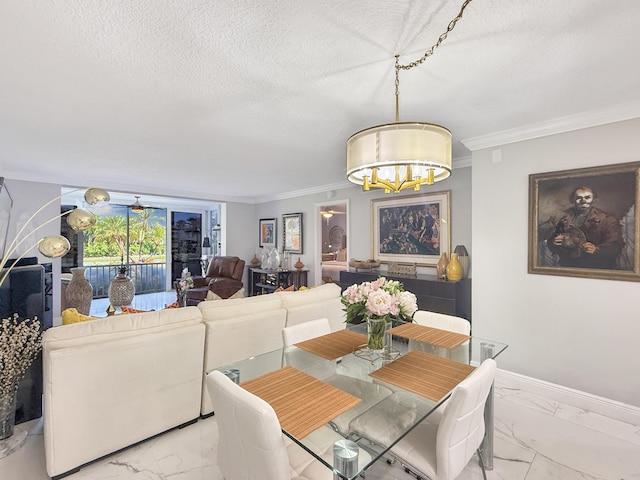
x=386 y=411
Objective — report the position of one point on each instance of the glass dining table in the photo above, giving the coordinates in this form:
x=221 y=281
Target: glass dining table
x=368 y=399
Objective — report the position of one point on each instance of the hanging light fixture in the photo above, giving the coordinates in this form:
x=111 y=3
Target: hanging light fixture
x=400 y=155
x=137 y=207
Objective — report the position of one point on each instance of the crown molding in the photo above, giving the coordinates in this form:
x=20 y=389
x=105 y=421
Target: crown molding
x=593 y=118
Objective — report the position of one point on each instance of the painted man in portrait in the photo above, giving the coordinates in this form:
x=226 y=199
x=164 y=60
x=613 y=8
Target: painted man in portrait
x=586 y=236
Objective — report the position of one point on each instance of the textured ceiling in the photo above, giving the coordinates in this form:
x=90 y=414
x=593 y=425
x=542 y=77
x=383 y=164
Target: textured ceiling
x=255 y=99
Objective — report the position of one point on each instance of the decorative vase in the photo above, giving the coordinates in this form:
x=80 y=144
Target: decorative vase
x=284 y=265
x=79 y=292
x=121 y=290
x=441 y=266
x=299 y=265
x=255 y=261
x=454 y=268
x=463 y=258
x=377 y=334
x=7 y=414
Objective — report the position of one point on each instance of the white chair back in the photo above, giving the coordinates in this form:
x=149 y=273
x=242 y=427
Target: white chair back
x=461 y=428
x=305 y=331
x=442 y=321
x=251 y=443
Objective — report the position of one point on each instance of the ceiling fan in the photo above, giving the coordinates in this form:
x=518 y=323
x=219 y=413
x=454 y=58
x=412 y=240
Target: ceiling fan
x=137 y=207
x=327 y=213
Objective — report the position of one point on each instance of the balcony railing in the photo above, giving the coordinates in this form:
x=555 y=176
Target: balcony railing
x=147 y=278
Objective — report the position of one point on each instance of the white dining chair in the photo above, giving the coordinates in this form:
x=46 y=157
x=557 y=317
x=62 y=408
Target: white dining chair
x=440 y=447
x=442 y=321
x=305 y=331
x=251 y=443
x=368 y=392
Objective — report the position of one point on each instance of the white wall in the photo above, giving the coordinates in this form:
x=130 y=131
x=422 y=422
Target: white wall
x=578 y=332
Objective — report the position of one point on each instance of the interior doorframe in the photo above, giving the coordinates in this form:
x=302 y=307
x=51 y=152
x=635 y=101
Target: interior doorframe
x=317 y=250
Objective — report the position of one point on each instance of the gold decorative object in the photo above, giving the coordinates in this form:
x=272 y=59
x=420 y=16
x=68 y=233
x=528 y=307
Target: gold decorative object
x=401 y=269
x=366 y=264
x=401 y=155
x=442 y=265
x=454 y=268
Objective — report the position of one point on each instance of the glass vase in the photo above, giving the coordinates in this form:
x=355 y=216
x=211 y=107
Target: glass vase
x=377 y=334
x=7 y=414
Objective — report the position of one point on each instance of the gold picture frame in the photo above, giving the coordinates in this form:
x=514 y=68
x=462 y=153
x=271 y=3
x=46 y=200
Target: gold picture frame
x=412 y=229
x=292 y=232
x=585 y=222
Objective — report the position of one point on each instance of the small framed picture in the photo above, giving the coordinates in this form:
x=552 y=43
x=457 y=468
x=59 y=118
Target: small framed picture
x=292 y=237
x=585 y=222
x=268 y=232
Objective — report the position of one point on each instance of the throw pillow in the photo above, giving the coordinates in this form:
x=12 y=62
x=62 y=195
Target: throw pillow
x=126 y=309
x=213 y=296
x=71 y=315
x=290 y=288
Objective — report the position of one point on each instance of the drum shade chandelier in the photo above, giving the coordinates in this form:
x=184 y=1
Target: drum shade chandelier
x=401 y=155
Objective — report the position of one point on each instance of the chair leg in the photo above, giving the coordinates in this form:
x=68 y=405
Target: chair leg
x=484 y=473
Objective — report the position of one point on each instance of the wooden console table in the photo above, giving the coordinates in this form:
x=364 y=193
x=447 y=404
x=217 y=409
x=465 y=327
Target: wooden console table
x=263 y=281
x=432 y=293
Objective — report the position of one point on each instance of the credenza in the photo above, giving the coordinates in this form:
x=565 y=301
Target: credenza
x=432 y=293
x=263 y=281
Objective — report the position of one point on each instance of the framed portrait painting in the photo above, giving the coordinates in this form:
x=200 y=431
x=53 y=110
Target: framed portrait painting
x=268 y=232
x=584 y=222
x=292 y=236
x=411 y=229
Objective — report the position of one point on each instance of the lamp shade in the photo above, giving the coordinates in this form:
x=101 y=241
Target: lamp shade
x=54 y=246
x=96 y=196
x=206 y=242
x=399 y=155
x=81 y=220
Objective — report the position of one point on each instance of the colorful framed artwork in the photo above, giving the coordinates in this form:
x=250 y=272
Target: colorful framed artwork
x=585 y=222
x=292 y=236
x=268 y=232
x=411 y=229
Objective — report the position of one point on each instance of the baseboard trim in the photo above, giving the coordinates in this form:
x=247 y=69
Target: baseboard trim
x=587 y=401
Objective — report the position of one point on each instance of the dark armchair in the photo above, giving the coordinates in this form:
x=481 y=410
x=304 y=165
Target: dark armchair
x=224 y=278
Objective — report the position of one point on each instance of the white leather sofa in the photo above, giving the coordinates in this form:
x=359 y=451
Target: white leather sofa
x=112 y=382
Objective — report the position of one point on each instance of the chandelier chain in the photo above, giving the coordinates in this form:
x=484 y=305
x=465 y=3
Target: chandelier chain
x=430 y=51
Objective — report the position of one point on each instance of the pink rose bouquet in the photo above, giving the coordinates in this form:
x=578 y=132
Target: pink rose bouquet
x=381 y=298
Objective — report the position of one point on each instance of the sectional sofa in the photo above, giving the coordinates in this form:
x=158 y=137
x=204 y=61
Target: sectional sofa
x=112 y=382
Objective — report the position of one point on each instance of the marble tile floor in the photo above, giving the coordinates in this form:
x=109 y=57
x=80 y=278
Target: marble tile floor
x=536 y=439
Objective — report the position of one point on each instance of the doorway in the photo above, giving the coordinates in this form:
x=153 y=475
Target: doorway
x=332 y=240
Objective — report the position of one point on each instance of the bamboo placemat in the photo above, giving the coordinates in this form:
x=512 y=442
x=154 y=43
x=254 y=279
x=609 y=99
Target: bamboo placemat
x=301 y=402
x=334 y=345
x=434 y=336
x=425 y=374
